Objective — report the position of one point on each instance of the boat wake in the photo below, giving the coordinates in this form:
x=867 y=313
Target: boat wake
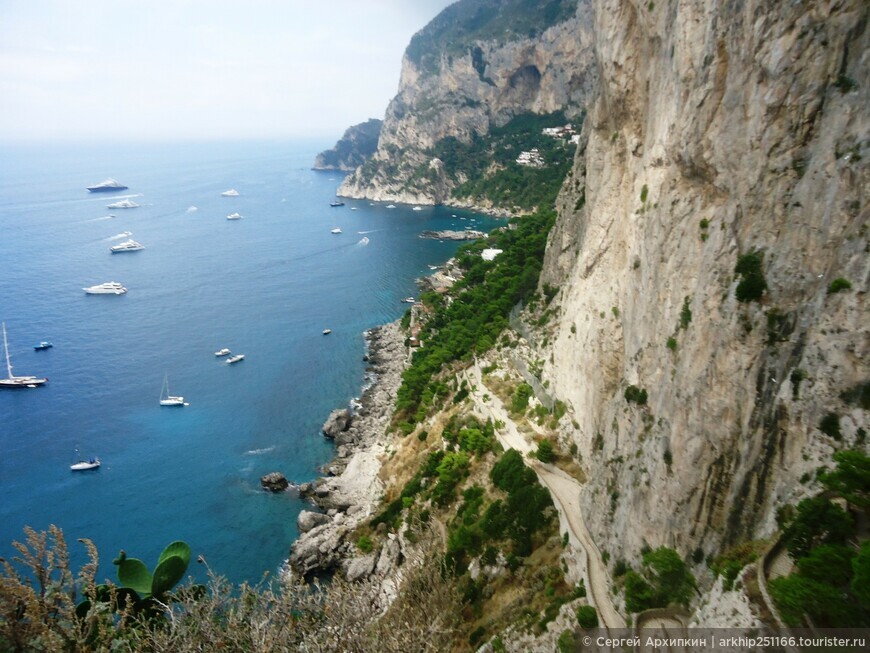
x=363 y=241
x=125 y=234
x=105 y=217
x=192 y=209
x=260 y=452
x=370 y=231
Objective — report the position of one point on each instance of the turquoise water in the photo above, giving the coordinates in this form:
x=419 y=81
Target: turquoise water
x=265 y=286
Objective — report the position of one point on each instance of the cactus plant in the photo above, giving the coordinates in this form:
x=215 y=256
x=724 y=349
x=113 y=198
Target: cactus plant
x=139 y=586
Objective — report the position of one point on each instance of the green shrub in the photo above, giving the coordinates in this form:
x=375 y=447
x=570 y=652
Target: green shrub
x=635 y=394
x=521 y=396
x=587 y=616
x=644 y=192
x=752 y=285
x=545 y=451
x=364 y=544
x=672 y=344
x=685 y=314
x=838 y=285
x=830 y=426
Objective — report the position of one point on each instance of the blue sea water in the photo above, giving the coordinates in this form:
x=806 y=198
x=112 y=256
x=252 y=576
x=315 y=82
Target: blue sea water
x=265 y=286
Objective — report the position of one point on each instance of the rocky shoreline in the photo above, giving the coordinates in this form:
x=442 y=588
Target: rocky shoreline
x=352 y=488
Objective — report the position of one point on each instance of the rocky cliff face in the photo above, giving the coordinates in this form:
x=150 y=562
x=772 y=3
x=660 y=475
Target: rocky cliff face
x=474 y=82
x=718 y=129
x=353 y=149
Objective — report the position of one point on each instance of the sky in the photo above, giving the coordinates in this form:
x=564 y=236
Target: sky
x=166 y=70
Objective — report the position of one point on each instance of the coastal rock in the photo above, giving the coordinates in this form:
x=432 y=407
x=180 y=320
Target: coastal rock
x=389 y=557
x=274 y=482
x=320 y=549
x=360 y=567
x=338 y=421
x=448 y=234
x=353 y=149
x=308 y=520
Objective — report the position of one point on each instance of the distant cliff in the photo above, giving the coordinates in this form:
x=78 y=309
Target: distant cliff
x=353 y=149
x=478 y=65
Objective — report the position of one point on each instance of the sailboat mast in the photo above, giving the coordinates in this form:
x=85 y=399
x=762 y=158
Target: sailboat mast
x=6 y=349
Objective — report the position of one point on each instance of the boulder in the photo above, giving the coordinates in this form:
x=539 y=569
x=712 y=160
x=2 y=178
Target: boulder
x=308 y=520
x=360 y=567
x=274 y=482
x=338 y=421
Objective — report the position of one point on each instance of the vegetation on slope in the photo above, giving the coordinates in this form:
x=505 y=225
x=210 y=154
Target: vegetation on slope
x=486 y=168
x=832 y=579
x=453 y=32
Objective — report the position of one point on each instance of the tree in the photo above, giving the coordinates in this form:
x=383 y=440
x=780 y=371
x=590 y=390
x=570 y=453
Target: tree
x=851 y=478
x=545 y=451
x=673 y=581
x=818 y=521
x=639 y=595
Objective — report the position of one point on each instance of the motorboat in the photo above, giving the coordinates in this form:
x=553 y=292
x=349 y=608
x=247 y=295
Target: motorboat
x=235 y=358
x=107 y=186
x=127 y=246
x=326 y=332
x=408 y=300
x=85 y=465
x=417 y=208
x=336 y=203
x=45 y=344
x=337 y=230
x=123 y=204
x=108 y=288
x=234 y=216
x=167 y=399
x=222 y=352
x=391 y=206
x=13 y=382
x=232 y=192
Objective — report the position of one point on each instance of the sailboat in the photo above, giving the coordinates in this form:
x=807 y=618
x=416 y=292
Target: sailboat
x=12 y=381
x=167 y=399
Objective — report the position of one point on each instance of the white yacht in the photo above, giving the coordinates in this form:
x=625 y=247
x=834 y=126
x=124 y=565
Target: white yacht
x=123 y=204
x=337 y=230
x=85 y=465
x=232 y=192
x=127 y=246
x=235 y=359
x=417 y=208
x=234 y=216
x=107 y=186
x=17 y=382
x=108 y=288
x=222 y=352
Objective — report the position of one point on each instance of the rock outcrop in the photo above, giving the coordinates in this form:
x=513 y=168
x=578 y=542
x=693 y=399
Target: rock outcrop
x=354 y=148
x=337 y=423
x=460 y=84
x=274 y=482
x=719 y=130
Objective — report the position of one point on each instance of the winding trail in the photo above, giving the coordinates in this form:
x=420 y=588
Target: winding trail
x=565 y=491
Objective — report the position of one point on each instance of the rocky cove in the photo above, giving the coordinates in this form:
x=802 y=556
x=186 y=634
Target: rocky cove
x=352 y=488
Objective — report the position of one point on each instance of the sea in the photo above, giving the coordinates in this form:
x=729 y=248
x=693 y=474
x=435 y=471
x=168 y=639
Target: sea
x=265 y=286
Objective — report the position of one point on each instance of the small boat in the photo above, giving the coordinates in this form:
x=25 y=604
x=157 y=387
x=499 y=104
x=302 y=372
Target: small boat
x=391 y=206
x=234 y=216
x=222 y=352
x=45 y=344
x=337 y=230
x=123 y=204
x=235 y=359
x=127 y=246
x=108 y=288
x=83 y=465
x=167 y=399
x=417 y=208
x=107 y=186
x=326 y=332
x=336 y=203
x=363 y=241
x=408 y=300
x=232 y=192
x=17 y=382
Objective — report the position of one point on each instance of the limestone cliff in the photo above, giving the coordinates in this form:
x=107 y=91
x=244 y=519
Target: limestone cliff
x=719 y=129
x=353 y=149
x=477 y=65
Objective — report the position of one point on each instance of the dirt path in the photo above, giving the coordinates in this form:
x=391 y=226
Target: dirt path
x=565 y=491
